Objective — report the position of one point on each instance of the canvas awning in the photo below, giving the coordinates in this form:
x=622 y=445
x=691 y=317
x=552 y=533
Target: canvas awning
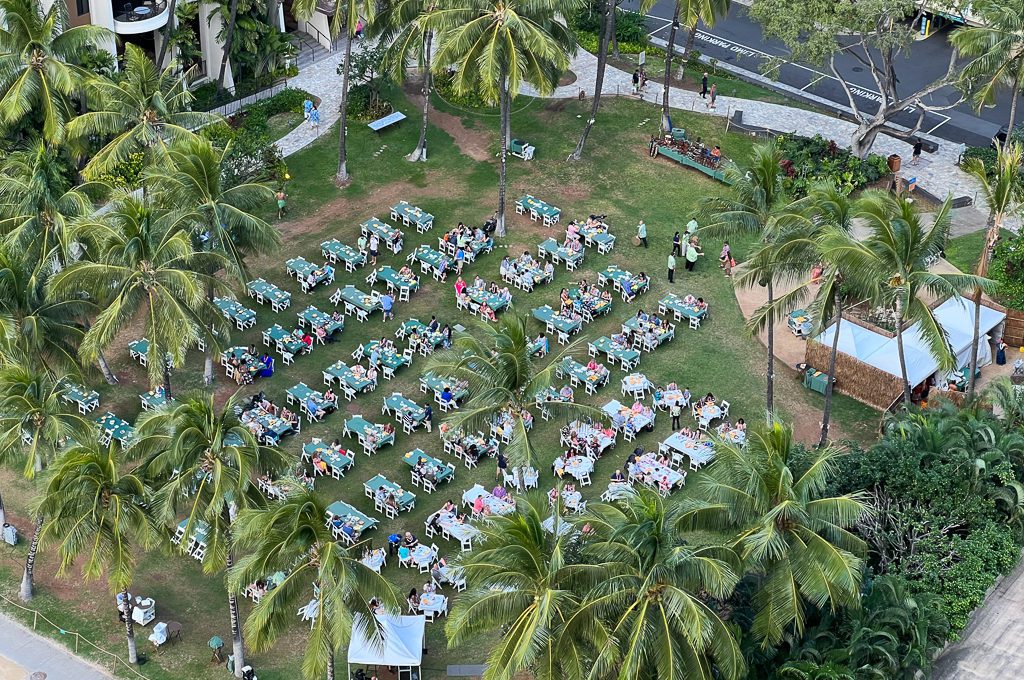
x=400 y=642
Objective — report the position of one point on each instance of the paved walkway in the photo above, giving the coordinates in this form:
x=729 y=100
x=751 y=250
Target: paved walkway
x=23 y=652
x=990 y=648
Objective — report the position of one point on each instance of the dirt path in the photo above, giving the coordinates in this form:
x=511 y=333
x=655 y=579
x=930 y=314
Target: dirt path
x=473 y=143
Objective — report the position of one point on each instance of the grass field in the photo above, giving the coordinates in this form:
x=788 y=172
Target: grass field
x=616 y=177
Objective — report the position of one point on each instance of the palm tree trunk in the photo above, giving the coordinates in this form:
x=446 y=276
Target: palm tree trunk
x=994 y=224
x=666 y=125
x=27 y=579
x=770 y=386
x=903 y=358
x=168 y=27
x=129 y=627
x=420 y=153
x=208 y=354
x=826 y=416
x=229 y=37
x=3 y=513
x=608 y=26
x=342 y=177
x=1015 y=92
x=503 y=134
x=686 y=52
x=236 y=630
x=330 y=665
x=614 y=38
x=108 y=374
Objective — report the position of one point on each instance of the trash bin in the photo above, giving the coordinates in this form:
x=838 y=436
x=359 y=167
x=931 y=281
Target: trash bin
x=894 y=162
x=10 y=534
x=678 y=134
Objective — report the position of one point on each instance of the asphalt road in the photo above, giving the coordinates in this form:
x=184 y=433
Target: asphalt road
x=738 y=40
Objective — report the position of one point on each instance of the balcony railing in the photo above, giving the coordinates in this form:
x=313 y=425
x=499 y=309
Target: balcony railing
x=140 y=11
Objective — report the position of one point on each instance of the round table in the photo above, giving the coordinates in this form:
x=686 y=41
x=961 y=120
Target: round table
x=577 y=466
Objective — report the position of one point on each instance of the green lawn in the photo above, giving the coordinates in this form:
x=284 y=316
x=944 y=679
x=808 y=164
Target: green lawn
x=963 y=251
x=616 y=178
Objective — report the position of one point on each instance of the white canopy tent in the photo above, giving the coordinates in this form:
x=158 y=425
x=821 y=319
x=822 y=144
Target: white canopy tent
x=956 y=316
x=400 y=643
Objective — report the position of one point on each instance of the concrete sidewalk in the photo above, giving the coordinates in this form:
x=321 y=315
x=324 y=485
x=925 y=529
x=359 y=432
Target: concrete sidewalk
x=23 y=653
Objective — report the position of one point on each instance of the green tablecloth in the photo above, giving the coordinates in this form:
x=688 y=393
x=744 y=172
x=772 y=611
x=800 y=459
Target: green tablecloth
x=435 y=339
x=406 y=499
x=551 y=247
x=342 y=372
x=358 y=298
x=546 y=315
x=335 y=457
x=593 y=302
x=596 y=235
x=663 y=332
x=78 y=394
x=388 y=357
x=361 y=427
x=543 y=209
x=343 y=252
x=385 y=231
x=389 y=275
x=437 y=384
x=406 y=407
x=116 y=427
x=580 y=372
x=317 y=319
x=234 y=311
x=152 y=400
x=605 y=344
x=275 y=424
x=493 y=300
x=358 y=520
x=444 y=471
x=431 y=257
x=270 y=292
x=303 y=392
x=415 y=215
x=285 y=338
x=676 y=304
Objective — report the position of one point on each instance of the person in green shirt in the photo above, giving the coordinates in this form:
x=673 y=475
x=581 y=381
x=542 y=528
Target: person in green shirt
x=691 y=227
x=641 y=232
x=692 y=253
x=671 y=267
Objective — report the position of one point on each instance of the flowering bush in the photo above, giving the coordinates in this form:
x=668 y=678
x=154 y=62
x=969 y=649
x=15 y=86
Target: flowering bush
x=816 y=159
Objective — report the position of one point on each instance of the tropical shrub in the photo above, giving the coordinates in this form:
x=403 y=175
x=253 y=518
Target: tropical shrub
x=1007 y=268
x=815 y=159
x=127 y=174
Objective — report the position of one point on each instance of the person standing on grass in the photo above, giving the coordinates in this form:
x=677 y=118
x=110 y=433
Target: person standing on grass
x=428 y=418
x=641 y=232
x=675 y=411
x=692 y=253
x=713 y=95
x=671 y=266
x=282 y=202
x=677 y=245
x=704 y=86
x=374 y=248
x=502 y=466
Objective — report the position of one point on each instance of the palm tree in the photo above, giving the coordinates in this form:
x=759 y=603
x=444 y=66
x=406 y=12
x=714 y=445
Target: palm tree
x=292 y=537
x=997 y=45
x=1003 y=193
x=147 y=271
x=229 y=39
x=894 y=258
x=496 y=45
x=503 y=376
x=145 y=111
x=827 y=219
x=39 y=333
x=221 y=216
x=35 y=425
x=756 y=204
x=798 y=541
x=37 y=74
x=344 y=20
x=203 y=464
x=97 y=508
x=648 y=612
x=524 y=578
x=38 y=204
x=403 y=29
x=607 y=34
x=692 y=13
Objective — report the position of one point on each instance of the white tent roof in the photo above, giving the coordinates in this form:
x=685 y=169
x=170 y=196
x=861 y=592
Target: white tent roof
x=955 y=315
x=400 y=644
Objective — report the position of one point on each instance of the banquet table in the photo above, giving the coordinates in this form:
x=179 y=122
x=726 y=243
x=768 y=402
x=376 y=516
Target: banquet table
x=699 y=452
x=580 y=373
x=637 y=421
x=649 y=466
x=616 y=352
x=335 y=456
x=537 y=208
x=335 y=250
x=493 y=300
x=357 y=298
x=557 y=320
x=410 y=214
x=579 y=466
x=267 y=292
x=116 y=428
x=680 y=308
x=317 y=319
x=591 y=302
x=284 y=341
x=406 y=499
x=444 y=471
x=407 y=408
x=362 y=428
x=395 y=280
x=550 y=248
x=340 y=370
x=87 y=400
x=391 y=236
x=433 y=603
x=346 y=512
x=663 y=332
x=242 y=316
x=437 y=384
x=636 y=383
